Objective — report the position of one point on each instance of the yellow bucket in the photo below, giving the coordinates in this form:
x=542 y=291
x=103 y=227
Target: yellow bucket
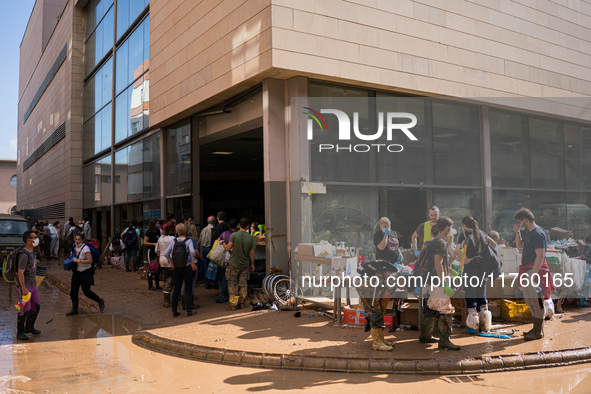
x=515 y=310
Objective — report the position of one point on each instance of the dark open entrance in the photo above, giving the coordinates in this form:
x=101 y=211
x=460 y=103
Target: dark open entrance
x=231 y=175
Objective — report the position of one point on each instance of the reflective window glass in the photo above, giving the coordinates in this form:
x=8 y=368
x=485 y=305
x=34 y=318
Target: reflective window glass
x=98 y=90
x=577 y=139
x=546 y=141
x=178 y=162
x=99 y=42
x=509 y=149
x=132 y=57
x=127 y=13
x=97 y=132
x=139 y=166
x=132 y=109
x=456 y=204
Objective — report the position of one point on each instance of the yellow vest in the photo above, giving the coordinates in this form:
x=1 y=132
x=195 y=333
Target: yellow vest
x=427 y=231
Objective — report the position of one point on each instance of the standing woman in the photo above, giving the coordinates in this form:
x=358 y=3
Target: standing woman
x=475 y=295
x=82 y=275
x=150 y=241
x=182 y=247
x=165 y=262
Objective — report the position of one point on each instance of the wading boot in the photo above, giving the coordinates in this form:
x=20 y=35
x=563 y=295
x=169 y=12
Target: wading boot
x=20 y=333
x=378 y=341
x=30 y=326
x=444 y=329
x=485 y=319
x=537 y=332
x=233 y=303
x=427 y=326
x=386 y=341
x=166 y=302
x=101 y=303
x=74 y=310
x=242 y=299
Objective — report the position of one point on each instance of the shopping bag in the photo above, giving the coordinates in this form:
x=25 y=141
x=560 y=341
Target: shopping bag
x=212 y=271
x=439 y=301
x=217 y=254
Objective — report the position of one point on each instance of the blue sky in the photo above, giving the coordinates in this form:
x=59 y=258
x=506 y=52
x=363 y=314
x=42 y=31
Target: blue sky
x=13 y=22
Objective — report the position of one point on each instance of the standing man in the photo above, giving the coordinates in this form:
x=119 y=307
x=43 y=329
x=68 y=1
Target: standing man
x=238 y=271
x=423 y=233
x=27 y=270
x=131 y=238
x=533 y=261
x=205 y=242
x=55 y=240
x=216 y=231
x=87 y=228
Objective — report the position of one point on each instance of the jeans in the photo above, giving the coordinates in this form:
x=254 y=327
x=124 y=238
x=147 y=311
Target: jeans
x=203 y=264
x=84 y=279
x=475 y=295
x=183 y=275
x=131 y=252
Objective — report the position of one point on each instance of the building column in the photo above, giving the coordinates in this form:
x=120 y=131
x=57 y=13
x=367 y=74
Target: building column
x=487 y=194
x=195 y=179
x=274 y=164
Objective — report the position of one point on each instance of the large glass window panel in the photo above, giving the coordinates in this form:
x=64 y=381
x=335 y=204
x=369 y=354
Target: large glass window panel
x=456 y=144
x=342 y=165
x=121 y=169
x=546 y=140
x=97 y=132
x=505 y=204
x=578 y=213
x=138 y=165
x=89 y=135
x=178 y=160
x=577 y=139
x=550 y=209
x=98 y=90
x=106 y=181
x=151 y=163
x=99 y=42
x=131 y=109
x=509 y=149
x=457 y=203
x=132 y=58
x=410 y=165
x=95 y=11
x=89 y=185
x=127 y=13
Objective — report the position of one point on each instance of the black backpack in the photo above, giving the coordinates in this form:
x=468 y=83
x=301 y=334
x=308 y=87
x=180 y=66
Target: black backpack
x=425 y=263
x=491 y=263
x=130 y=237
x=180 y=255
x=371 y=268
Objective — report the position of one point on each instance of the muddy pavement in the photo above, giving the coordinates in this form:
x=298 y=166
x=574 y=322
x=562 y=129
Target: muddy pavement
x=93 y=353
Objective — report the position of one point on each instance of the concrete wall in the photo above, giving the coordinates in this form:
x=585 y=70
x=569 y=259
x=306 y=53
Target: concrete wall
x=57 y=176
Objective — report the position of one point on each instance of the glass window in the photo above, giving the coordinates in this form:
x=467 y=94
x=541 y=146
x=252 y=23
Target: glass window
x=139 y=165
x=98 y=90
x=178 y=160
x=577 y=140
x=132 y=56
x=105 y=164
x=99 y=42
x=132 y=109
x=456 y=144
x=97 y=133
x=127 y=13
x=456 y=204
x=505 y=204
x=95 y=11
x=546 y=140
x=509 y=149
x=13 y=180
x=578 y=214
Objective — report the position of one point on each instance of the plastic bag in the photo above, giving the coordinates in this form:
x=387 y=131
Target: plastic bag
x=548 y=309
x=212 y=270
x=473 y=319
x=439 y=301
x=217 y=253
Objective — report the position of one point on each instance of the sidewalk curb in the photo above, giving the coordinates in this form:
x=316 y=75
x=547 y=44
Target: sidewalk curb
x=430 y=366
x=65 y=288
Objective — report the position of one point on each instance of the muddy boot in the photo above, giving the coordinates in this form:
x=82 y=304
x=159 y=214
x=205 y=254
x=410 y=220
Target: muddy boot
x=537 y=332
x=74 y=310
x=386 y=341
x=485 y=319
x=427 y=326
x=20 y=333
x=242 y=299
x=166 y=302
x=378 y=341
x=30 y=326
x=233 y=303
x=444 y=330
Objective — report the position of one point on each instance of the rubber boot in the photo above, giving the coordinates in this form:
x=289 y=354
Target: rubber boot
x=233 y=303
x=20 y=333
x=538 y=331
x=444 y=329
x=242 y=299
x=30 y=326
x=378 y=342
x=427 y=326
x=387 y=342
x=166 y=302
x=485 y=319
x=74 y=310
x=472 y=320
x=151 y=282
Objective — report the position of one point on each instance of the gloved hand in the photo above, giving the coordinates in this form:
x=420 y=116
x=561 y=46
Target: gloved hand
x=417 y=253
x=387 y=231
x=448 y=290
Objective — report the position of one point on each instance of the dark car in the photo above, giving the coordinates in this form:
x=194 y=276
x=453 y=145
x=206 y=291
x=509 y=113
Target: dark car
x=12 y=228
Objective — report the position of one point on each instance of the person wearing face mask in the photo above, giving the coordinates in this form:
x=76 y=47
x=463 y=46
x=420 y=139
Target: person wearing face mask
x=27 y=269
x=82 y=275
x=438 y=254
x=387 y=248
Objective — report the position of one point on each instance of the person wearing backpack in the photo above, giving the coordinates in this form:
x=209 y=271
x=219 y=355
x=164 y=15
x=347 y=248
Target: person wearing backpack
x=26 y=269
x=82 y=275
x=150 y=241
x=165 y=263
x=131 y=237
x=182 y=253
x=437 y=261
x=474 y=239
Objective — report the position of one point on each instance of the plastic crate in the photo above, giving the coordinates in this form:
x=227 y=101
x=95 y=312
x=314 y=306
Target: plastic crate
x=515 y=310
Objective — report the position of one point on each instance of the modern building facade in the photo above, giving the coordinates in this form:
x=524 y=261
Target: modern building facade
x=8 y=180
x=172 y=106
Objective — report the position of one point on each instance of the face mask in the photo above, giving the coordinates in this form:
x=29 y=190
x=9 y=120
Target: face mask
x=36 y=242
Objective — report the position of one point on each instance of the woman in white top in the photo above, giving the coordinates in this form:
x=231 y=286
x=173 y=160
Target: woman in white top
x=165 y=262
x=83 y=275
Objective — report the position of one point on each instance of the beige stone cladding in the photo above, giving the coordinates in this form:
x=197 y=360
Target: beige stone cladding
x=57 y=176
x=8 y=195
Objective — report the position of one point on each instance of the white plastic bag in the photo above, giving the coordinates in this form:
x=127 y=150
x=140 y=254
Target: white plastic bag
x=548 y=309
x=473 y=320
x=439 y=301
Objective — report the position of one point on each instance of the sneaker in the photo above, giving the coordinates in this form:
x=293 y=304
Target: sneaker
x=101 y=305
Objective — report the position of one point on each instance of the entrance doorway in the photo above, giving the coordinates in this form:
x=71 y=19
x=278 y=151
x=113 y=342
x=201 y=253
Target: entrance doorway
x=407 y=208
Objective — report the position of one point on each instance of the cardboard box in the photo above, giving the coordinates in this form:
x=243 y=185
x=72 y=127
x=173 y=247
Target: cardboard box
x=409 y=315
x=258 y=241
x=554 y=261
x=322 y=250
x=357 y=317
x=306 y=249
x=559 y=233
